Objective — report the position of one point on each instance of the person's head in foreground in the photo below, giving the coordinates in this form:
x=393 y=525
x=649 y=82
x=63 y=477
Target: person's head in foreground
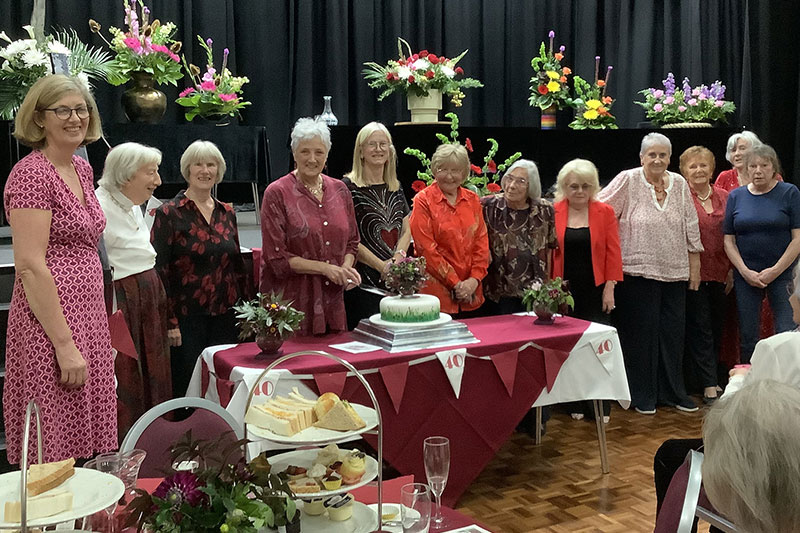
x=751 y=469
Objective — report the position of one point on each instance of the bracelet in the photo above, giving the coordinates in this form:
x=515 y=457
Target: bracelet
x=401 y=252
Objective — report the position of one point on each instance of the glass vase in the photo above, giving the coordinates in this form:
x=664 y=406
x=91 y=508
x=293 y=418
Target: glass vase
x=327 y=115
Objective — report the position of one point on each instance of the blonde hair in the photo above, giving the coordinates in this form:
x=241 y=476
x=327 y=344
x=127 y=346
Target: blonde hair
x=356 y=175
x=584 y=170
x=751 y=468
x=200 y=151
x=42 y=95
x=693 y=152
x=450 y=153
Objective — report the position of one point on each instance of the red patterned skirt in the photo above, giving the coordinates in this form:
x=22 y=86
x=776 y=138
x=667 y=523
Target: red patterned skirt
x=147 y=381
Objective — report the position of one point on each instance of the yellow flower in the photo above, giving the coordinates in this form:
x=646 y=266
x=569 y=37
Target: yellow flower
x=552 y=74
x=593 y=104
x=553 y=86
x=590 y=114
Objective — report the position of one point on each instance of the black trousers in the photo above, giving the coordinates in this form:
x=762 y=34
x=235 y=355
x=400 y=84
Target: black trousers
x=705 y=314
x=197 y=333
x=651 y=319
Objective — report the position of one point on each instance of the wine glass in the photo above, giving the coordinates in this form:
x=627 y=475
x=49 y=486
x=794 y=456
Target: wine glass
x=436 y=452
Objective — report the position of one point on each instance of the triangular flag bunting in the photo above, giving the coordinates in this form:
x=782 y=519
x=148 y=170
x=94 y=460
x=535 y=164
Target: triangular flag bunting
x=224 y=391
x=506 y=365
x=265 y=387
x=333 y=382
x=538 y=372
x=394 y=377
x=453 y=362
x=603 y=349
x=120 y=335
x=553 y=359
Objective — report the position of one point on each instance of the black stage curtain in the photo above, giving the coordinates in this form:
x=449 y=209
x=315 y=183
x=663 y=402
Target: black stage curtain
x=296 y=51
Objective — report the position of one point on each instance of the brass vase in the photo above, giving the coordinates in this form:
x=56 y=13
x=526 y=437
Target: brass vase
x=143 y=102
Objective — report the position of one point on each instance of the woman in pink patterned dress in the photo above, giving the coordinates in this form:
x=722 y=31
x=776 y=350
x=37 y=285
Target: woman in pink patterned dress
x=58 y=349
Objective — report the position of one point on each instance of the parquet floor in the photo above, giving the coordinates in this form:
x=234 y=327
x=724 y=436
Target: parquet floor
x=557 y=487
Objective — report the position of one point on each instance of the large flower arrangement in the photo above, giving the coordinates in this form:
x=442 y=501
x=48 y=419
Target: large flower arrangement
x=672 y=105
x=241 y=498
x=406 y=276
x=552 y=296
x=25 y=60
x=481 y=180
x=549 y=82
x=145 y=47
x=418 y=73
x=268 y=314
x=593 y=107
x=215 y=94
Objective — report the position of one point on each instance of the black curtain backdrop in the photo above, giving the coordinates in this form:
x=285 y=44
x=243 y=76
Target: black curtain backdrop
x=296 y=51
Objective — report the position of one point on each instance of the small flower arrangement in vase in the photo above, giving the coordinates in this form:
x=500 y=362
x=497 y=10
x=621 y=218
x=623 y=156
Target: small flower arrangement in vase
x=546 y=298
x=214 y=96
x=688 y=106
x=482 y=180
x=549 y=90
x=593 y=107
x=270 y=319
x=421 y=75
x=406 y=276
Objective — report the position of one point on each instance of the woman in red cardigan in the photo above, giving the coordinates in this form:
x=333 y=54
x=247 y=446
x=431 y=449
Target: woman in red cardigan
x=588 y=253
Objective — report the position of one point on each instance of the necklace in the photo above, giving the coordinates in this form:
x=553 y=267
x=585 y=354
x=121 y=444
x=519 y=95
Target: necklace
x=315 y=190
x=707 y=196
x=126 y=211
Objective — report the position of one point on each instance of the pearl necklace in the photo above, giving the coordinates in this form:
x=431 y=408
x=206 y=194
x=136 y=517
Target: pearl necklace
x=702 y=199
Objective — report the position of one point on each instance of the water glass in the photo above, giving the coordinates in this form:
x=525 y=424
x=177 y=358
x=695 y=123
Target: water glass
x=415 y=508
x=436 y=454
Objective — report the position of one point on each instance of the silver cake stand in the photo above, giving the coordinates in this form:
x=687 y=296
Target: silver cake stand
x=410 y=337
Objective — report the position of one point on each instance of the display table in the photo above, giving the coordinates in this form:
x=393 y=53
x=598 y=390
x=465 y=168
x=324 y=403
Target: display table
x=515 y=365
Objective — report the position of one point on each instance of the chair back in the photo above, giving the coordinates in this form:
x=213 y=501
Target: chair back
x=155 y=434
x=677 y=511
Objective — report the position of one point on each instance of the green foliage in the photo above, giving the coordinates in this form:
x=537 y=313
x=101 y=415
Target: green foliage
x=269 y=315
x=549 y=82
x=406 y=276
x=550 y=295
x=592 y=107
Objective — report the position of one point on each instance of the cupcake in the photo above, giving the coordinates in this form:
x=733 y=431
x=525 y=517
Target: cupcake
x=332 y=481
x=340 y=507
x=353 y=467
x=314 y=507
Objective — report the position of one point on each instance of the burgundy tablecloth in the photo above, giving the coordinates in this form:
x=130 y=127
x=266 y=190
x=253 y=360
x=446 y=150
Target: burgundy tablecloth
x=477 y=423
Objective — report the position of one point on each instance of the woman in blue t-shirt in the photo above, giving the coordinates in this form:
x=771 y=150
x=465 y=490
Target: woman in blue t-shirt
x=762 y=240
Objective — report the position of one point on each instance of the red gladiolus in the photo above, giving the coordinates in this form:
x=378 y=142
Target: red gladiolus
x=433 y=59
x=401 y=61
x=411 y=79
x=542 y=89
x=459 y=70
x=468 y=145
x=559 y=56
x=493 y=187
x=418 y=185
x=430 y=74
x=491 y=166
x=476 y=169
x=423 y=53
x=414 y=57
x=389 y=76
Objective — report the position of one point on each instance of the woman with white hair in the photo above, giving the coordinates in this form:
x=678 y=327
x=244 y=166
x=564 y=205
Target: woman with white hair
x=660 y=242
x=130 y=176
x=522 y=233
x=197 y=256
x=309 y=233
x=738 y=144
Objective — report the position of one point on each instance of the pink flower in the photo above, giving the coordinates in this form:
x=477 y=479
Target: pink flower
x=186 y=91
x=658 y=93
x=702 y=97
x=669 y=100
x=208 y=86
x=227 y=97
x=658 y=107
x=692 y=102
x=681 y=108
x=719 y=103
x=209 y=75
x=134 y=44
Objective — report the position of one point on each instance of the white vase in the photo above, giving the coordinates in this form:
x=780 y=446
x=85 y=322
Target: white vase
x=425 y=108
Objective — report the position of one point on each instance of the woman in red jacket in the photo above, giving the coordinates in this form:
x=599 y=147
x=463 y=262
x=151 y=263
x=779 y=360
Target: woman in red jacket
x=588 y=253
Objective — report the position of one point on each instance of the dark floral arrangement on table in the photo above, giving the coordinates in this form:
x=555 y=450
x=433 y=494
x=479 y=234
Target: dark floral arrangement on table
x=593 y=107
x=24 y=61
x=672 y=105
x=482 y=179
x=406 y=276
x=145 y=47
x=215 y=94
x=549 y=82
x=552 y=295
x=418 y=73
x=241 y=497
x=269 y=314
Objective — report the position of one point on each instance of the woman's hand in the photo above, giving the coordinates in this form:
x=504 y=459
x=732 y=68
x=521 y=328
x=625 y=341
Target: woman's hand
x=465 y=290
x=72 y=365
x=608 y=298
x=729 y=282
x=752 y=278
x=353 y=278
x=338 y=275
x=768 y=275
x=174 y=336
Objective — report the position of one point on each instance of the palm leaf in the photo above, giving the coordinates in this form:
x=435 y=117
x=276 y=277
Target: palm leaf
x=11 y=96
x=95 y=62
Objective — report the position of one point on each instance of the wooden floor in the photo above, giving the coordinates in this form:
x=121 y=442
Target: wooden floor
x=558 y=486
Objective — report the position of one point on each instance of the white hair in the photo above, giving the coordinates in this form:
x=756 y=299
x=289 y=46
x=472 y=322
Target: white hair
x=751 y=138
x=123 y=161
x=655 y=139
x=534 y=182
x=306 y=129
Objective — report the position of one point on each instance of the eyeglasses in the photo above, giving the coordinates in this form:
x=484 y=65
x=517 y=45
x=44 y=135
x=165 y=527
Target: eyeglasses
x=63 y=112
x=372 y=145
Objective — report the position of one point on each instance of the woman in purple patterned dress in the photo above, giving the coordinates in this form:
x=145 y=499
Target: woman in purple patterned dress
x=58 y=348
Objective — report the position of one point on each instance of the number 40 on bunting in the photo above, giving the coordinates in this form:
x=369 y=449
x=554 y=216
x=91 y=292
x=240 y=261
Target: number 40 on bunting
x=453 y=363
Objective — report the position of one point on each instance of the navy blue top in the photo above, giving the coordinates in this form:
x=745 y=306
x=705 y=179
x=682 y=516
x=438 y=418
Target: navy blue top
x=763 y=224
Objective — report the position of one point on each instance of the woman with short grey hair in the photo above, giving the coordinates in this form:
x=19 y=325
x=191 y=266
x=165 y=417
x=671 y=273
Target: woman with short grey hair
x=738 y=145
x=522 y=233
x=130 y=176
x=202 y=151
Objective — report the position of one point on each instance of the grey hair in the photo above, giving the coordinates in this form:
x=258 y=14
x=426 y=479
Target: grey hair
x=745 y=135
x=534 y=182
x=123 y=161
x=199 y=152
x=751 y=468
x=306 y=129
x=764 y=151
x=655 y=139
x=584 y=170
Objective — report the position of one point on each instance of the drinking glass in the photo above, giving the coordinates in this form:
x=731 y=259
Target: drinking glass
x=415 y=508
x=436 y=452
x=110 y=464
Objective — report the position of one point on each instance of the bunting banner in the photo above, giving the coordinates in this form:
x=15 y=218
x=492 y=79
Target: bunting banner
x=603 y=349
x=394 y=378
x=506 y=365
x=453 y=362
x=333 y=382
x=553 y=359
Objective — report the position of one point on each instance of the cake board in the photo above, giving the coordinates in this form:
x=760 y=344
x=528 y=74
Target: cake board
x=410 y=337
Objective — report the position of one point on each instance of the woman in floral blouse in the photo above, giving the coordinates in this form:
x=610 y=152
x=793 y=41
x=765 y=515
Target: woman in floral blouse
x=197 y=256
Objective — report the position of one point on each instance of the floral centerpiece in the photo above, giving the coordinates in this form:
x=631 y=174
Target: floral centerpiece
x=26 y=60
x=215 y=94
x=482 y=179
x=549 y=89
x=687 y=104
x=269 y=318
x=224 y=498
x=546 y=298
x=406 y=276
x=418 y=73
x=593 y=107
